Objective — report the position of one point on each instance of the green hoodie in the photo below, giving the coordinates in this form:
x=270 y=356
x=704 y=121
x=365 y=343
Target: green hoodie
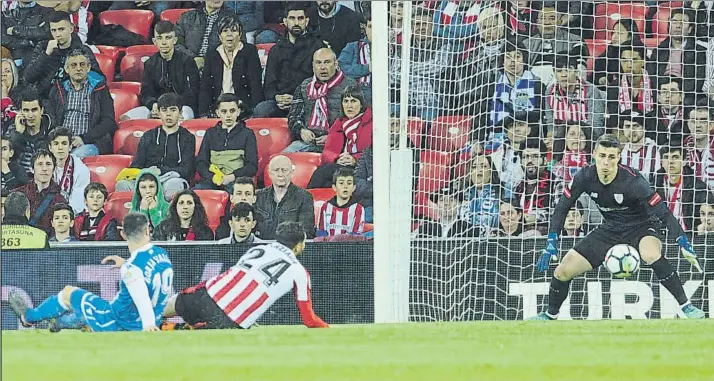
x=160 y=211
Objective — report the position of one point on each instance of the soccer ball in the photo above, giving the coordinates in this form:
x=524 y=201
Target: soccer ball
x=622 y=261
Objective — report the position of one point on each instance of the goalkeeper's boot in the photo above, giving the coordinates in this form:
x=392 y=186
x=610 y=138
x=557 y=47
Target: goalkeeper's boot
x=541 y=316
x=19 y=307
x=693 y=312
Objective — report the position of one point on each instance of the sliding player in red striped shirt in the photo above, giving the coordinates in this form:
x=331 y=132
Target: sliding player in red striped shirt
x=341 y=214
x=238 y=297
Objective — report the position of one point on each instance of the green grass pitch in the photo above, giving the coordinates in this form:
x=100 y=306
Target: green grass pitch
x=532 y=351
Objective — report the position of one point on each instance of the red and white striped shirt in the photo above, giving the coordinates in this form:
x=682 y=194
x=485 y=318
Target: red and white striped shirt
x=335 y=220
x=701 y=160
x=645 y=159
x=262 y=276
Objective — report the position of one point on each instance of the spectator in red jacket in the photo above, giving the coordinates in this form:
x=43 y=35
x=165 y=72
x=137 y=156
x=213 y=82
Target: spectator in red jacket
x=42 y=192
x=93 y=224
x=348 y=137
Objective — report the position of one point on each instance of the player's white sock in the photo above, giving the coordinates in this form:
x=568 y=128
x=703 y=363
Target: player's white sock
x=685 y=304
x=61 y=303
x=554 y=317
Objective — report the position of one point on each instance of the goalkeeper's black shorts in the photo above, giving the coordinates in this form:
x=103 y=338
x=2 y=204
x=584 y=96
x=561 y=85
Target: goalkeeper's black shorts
x=197 y=308
x=595 y=245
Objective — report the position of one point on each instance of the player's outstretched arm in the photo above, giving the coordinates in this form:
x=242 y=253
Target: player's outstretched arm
x=653 y=202
x=304 y=302
x=134 y=281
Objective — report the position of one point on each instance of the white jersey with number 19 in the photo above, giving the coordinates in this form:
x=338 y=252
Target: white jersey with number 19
x=262 y=276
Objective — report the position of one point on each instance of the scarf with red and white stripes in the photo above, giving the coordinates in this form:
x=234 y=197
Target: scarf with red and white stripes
x=470 y=18
x=350 y=127
x=65 y=179
x=645 y=159
x=645 y=100
x=317 y=91
x=674 y=199
x=563 y=110
x=364 y=59
x=702 y=160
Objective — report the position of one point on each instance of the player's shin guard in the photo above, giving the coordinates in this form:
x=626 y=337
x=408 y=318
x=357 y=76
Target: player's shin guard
x=556 y=296
x=670 y=280
x=50 y=308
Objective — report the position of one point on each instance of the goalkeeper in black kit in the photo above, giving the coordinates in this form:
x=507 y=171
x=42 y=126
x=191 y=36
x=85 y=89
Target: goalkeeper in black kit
x=632 y=211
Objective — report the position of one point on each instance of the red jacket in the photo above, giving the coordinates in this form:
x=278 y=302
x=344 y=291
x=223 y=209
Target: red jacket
x=35 y=198
x=336 y=138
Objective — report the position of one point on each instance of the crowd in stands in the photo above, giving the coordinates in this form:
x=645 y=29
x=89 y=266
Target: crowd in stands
x=218 y=119
x=506 y=100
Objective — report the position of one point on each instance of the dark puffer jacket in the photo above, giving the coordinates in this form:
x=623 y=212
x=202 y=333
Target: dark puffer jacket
x=192 y=25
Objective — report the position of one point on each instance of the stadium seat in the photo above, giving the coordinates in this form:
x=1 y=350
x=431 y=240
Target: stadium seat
x=126 y=138
x=607 y=14
x=112 y=52
x=422 y=209
x=124 y=100
x=595 y=48
x=173 y=15
x=434 y=170
x=322 y=194
x=105 y=168
x=449 y=133
x=272 y=136
x=118 y=205
x=214 y=201
x=263 y=52
x=132 y=65
x=415 y=130
x=133 y=87
x=304 y=164
x=135 y=20
x=198 y=127
x=108 y=65
x=660 y=22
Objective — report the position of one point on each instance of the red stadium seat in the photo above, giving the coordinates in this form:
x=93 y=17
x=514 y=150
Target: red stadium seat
x=595 y=48
x=422 y=207
x=272 y=135
x=415 y=130
x=133 y=87
x=108 y=65
x=105 y=168
x=135 y=20
x=173 y=15
x=322 y=194
x=118 y=205
x=112 y=52
x=607 y=14
x=126 y=138
x=214 y=202
x=198 y=127
x=124 y=101
x=304 y=164
x=660 y=22
x=449 y=133
x=132 y=65
x=434 y=170
x=263 y=52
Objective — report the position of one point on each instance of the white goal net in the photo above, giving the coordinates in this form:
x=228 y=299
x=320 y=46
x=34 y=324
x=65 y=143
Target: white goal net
x=501 y=103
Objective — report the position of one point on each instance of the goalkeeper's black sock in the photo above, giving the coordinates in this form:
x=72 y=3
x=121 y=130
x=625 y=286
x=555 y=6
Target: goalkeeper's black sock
x=670 y=280
x=557 y=295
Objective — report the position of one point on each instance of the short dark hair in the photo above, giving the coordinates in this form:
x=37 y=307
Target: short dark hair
x=96 y=187
x=244 y=180
x=147 y=177
x=296 y=6
x=668 y=80
x=10 y=144
x=163 y=27
x=169 y=100
x=639 y=49
x=366 y=17
x=63 y=206
x=631 y=116
x=702 y=104
x=16 y=204
x=42 y=153
x=535 y=143
x=356 y=92
x=243 y=210
x=686 y=12
x=230 y=22
x=79 y=53
x=59 y=132
x=608 y=141
x=290 y=234
x=135 y=224
x=228 y=98
x=566 y=62
x=57 y=16
x=531 y=118
x=672 y=146
x=342 y=172
x=30 y=94
x=512 y=45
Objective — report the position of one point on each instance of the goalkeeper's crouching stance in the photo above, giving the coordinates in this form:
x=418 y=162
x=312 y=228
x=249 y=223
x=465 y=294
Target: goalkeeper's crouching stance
x=632 y=213
x=238 y=297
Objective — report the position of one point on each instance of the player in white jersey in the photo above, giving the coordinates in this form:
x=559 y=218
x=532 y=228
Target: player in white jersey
x=238 y=297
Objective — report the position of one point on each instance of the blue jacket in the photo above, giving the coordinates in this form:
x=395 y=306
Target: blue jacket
x=250 y=14
x=349 y=63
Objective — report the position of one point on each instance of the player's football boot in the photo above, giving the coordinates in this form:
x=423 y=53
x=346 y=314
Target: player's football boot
x=693 y=312
x=541 y=316
x=18 y=306
x=53 y=326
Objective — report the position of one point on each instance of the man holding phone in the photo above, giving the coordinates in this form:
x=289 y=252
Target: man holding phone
x=29 y=129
